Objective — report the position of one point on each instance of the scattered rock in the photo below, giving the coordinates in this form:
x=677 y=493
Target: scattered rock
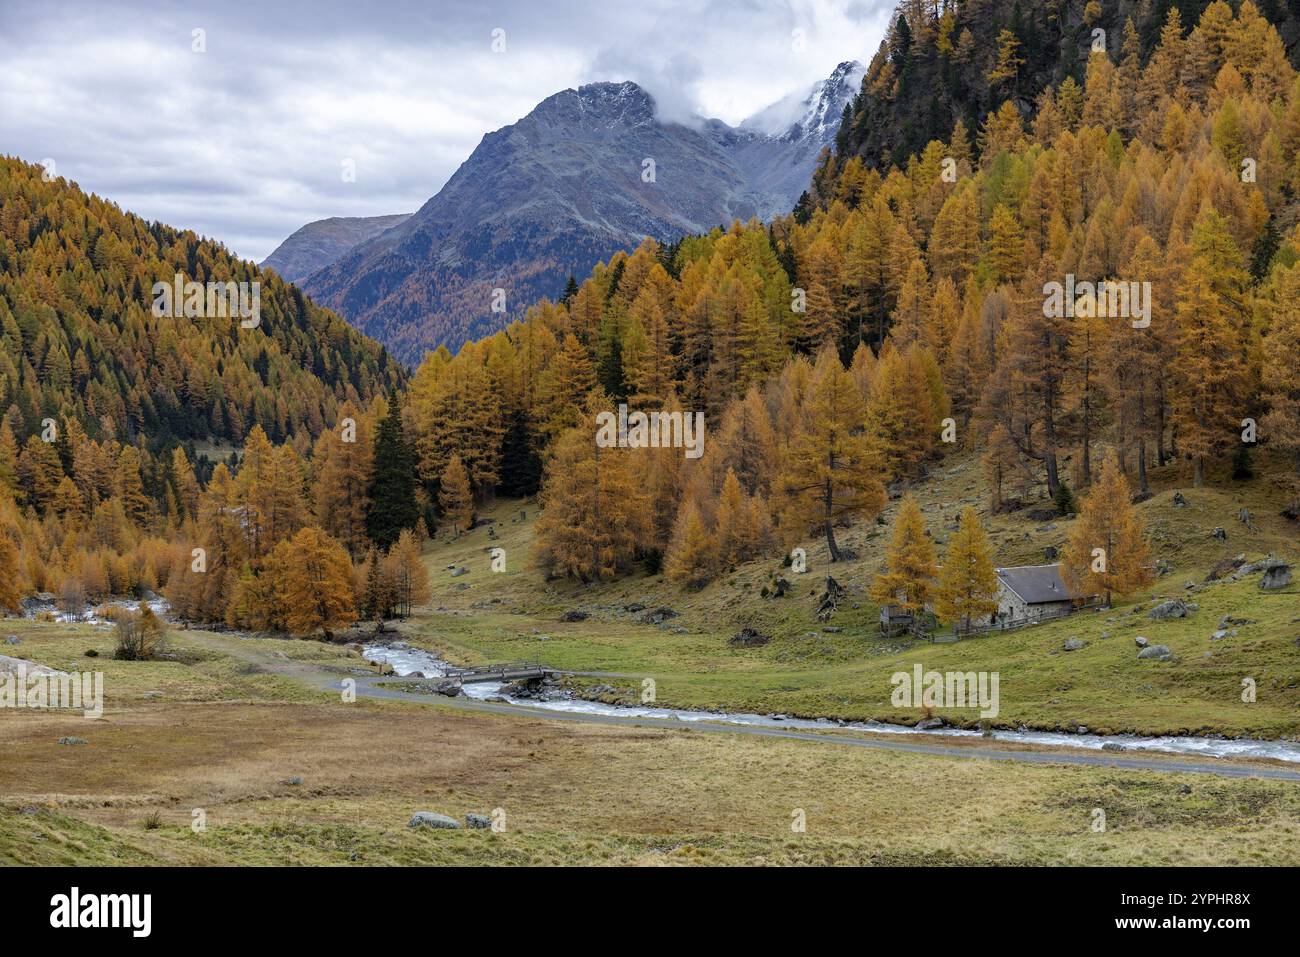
x=1219 y=533
x=1174 y=608
x=927 y=724
x=1113 y=746
x=294 y=782
x=1074 y=644
x=574 y=615
x=1158 y=652
x=1164 y=567
x=1179 y=501
x=1225 y=568
x=748 y=637
x=657 y=616
x=1051 y=553
x=1219 y=635
x=450 y=689
x=434 y=820
x=1140 y=641
x=480 y=822
x=634 y=607
x=11 y=640
x=458 y=570
x=1275 y=577
x=73 y=740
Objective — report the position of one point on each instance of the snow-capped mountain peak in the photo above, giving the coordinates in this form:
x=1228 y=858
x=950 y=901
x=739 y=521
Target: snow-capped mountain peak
x=813 y=113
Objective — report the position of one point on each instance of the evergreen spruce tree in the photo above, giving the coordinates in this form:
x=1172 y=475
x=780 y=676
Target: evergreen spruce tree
x=392 y=484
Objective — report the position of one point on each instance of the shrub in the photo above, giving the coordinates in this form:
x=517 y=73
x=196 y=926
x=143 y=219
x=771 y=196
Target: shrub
x=141 y=635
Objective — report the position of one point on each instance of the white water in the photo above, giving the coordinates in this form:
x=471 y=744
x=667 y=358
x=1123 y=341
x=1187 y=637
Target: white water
x=90 y=616
x=406 y=660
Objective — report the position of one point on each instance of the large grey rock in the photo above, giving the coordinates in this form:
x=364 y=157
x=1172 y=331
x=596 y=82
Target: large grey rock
x=478 y=821
x=1174 y=608
x=1074 y=644
x=1158 y=652
x=434 y=820
x=1275 y=577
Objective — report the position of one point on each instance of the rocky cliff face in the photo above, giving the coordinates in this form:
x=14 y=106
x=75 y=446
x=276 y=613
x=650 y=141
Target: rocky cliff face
x=587 y=172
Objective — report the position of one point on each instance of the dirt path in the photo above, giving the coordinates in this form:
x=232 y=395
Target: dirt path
x=372 y=685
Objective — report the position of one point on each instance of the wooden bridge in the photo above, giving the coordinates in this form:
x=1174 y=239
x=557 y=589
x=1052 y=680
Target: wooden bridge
x=515 y=671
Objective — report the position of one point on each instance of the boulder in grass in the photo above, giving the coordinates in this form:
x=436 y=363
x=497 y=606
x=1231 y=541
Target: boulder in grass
x=657 y=616
x=434 y=820
x=1140 y=641
x=479 y=822
x=1174 y=608
x=748 y=637
x=1276 y=576
x=1074 y=644
x=1156 y=652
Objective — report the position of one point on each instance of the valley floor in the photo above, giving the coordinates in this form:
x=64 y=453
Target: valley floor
x=252 y=736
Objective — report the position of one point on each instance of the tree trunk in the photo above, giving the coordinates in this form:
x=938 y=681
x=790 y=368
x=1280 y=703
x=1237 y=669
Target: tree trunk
x=1142 y=467
x=830 y=513
x=1160 y=424
x=830 y=542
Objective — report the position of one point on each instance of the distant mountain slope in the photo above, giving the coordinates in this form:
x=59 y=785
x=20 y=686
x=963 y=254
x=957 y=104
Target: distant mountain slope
x=318 y=244
x=562 y=189
x=78 y=338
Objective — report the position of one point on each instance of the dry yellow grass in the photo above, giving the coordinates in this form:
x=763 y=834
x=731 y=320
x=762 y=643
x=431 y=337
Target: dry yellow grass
x=580 y=794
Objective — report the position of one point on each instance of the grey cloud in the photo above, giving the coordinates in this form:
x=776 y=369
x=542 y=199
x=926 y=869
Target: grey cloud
x=245 y=142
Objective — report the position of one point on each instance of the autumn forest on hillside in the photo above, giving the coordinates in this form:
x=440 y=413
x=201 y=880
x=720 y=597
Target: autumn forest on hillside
x=838 y=354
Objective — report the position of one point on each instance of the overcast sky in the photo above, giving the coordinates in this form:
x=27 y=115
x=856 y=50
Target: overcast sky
x=247 y=141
